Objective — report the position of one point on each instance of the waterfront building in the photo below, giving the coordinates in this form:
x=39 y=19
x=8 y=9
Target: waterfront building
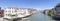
x=57 y=8
x=1 y=12
x=17 y=12
x=57 y=14
x=46 y=11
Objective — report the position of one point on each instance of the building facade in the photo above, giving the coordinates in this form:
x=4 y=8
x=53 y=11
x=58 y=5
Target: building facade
x=18 y=12
x=57 y=8
x=1 y=12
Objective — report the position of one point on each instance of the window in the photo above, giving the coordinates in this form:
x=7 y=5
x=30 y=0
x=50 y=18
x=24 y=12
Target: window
x=15 y=11
x=6 y=14
x=0 y=12
x=6 y=11
x=58 y=9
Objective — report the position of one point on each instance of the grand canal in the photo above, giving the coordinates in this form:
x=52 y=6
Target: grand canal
x=39 y=17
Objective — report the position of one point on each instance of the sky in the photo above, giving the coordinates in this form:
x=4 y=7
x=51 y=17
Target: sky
x=38 y=4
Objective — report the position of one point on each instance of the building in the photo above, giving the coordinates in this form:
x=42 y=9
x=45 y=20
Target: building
x=57 y=14
x=17 y=12
x=45 y=11
x=1 y=12
x=32 y=11
x=57 y=8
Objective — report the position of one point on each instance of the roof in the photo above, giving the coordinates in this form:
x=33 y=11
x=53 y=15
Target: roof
x=58 y=5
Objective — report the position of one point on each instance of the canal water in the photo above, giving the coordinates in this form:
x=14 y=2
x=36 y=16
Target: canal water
x=39 y=17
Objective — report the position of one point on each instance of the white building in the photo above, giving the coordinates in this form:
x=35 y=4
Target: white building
x=17 y=12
